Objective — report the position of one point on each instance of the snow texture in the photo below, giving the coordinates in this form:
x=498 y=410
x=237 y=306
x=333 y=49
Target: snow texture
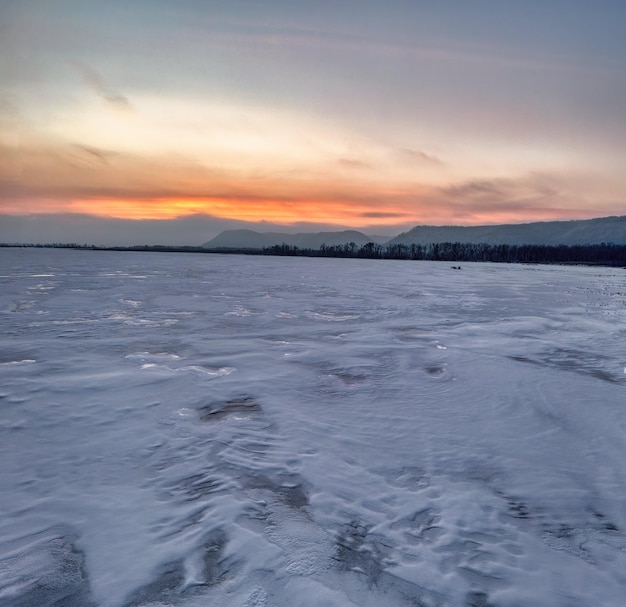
x=187 y=430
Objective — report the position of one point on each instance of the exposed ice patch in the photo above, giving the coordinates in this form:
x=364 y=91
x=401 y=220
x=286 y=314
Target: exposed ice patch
x=156 y=366
x=153 y=356
x=208 y=371
x=330 y=316
x=145 y=322
x=24 y=361
x=22 y=306
x=240 y=311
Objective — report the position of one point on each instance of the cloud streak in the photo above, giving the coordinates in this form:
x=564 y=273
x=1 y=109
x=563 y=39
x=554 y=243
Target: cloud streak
x=94 y=80
x=420 y=157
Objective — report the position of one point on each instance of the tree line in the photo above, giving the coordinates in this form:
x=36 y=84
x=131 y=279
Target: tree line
x=602 y=254
x=607 y=254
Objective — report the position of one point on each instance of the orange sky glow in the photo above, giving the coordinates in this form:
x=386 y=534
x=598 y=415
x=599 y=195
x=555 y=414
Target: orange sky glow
x=284 y=212
x=289 y=118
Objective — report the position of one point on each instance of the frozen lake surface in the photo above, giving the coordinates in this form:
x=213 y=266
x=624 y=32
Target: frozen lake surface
x=199 y=430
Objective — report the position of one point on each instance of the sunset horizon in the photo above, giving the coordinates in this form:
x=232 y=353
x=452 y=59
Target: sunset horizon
x=345 y=117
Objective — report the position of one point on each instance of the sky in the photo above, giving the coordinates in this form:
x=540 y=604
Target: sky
x=172 y=121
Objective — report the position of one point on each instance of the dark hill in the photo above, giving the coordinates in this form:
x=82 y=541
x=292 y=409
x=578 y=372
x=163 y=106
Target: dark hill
x=249 y=239
x=587 y=231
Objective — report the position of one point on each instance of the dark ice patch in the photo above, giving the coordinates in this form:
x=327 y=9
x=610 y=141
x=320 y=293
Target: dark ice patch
x=515 y=507
x=578 y=361
x=288 y=488
x=215 y=566
x=420 y=526
x=194 y=487
x=604 y=524
x=348 y=378
x=518 y=509
x=170 y=580
x=361 y=552
x=478 y=599
x=435 y=371
x=245 y=405
x=15 y=356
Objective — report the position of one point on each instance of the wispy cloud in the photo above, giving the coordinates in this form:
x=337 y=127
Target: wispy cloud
x=420 y=157
x=531 y=188
x=383 y=215
x=354 y=163
x=92 y=155
x=94 y=80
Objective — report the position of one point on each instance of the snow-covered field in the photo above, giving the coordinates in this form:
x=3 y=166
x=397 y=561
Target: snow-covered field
x=201 y=430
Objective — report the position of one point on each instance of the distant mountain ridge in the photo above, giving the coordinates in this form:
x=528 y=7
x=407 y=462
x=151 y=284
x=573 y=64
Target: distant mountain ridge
x=574 y=232
x=249 y=239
